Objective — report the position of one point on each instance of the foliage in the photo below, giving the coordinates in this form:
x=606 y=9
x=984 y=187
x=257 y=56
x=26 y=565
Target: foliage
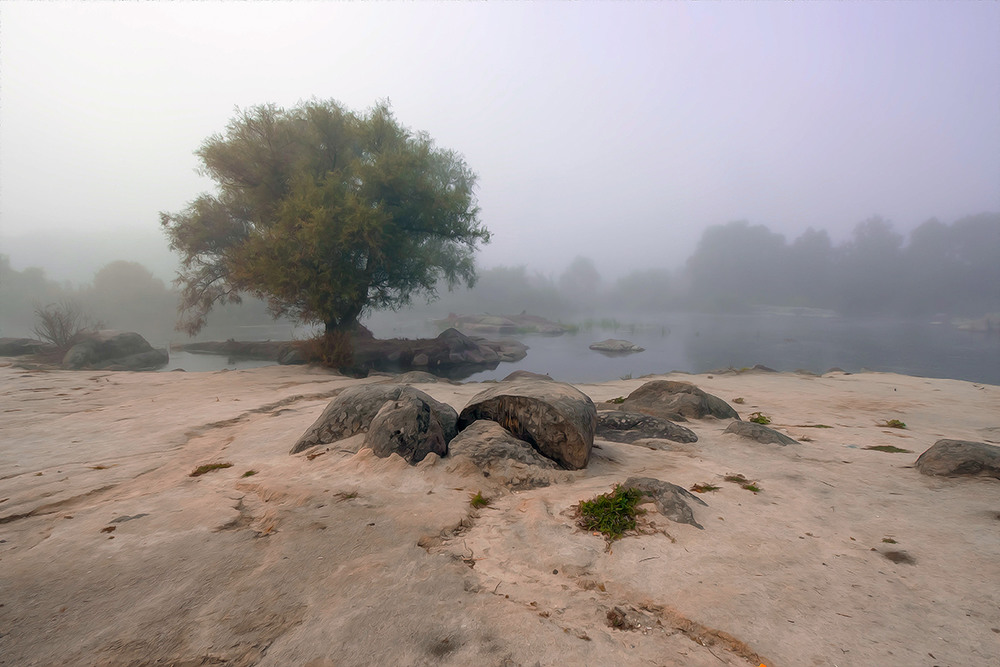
x=326 y=214
x=61 y=324
x=759 y=418
x=209 y=467
x=891 y=423
x=739 y=400
x=249 y=473
x=704 y=488
x=891 y=449
x=618 y=400
x=478 y=500
x=611 y=513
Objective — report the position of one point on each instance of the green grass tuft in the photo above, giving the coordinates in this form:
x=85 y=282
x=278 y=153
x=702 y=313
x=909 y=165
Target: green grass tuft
x=759 y=418
x=249 y=473
x=892 y=423
x=617 y=401
x=209 y=467
x=479 y=500
x=751 y=487
x=704 y=488
x=611 y=513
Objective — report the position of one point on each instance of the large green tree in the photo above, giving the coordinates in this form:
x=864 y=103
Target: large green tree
x=325 y=213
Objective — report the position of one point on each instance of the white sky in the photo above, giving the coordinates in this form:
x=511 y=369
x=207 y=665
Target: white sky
x=618 y=131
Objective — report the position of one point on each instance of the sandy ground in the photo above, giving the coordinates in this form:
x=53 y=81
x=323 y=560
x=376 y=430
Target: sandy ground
x=111 y=554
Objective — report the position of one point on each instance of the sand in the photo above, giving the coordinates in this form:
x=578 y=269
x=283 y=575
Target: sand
x=112 y=554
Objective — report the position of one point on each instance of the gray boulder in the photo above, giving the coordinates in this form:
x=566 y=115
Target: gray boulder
x=353 y=410
x=960 y=457
x=677 y=400
x=616 y=346
x=114 y=350
x=15 y=347
x=671 y=500
x=528 y=375
x=410 y=427
x=557 y=419
x=627 y=427
x=503 y=458
x=760 y=433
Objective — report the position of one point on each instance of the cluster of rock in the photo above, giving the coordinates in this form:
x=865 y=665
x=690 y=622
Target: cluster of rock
x=504 y=325
x=93 y=350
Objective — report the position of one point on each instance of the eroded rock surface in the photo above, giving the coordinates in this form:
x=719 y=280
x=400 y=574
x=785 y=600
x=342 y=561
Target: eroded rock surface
x=502 y=457
x=557 y=419
x=960 y=457
x=353 y=410
x=671 y=500
x=627 y=427
x=672 y=400
x=410 y=427
x=760 y=433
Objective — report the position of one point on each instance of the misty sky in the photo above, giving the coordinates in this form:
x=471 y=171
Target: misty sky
x=617 y=131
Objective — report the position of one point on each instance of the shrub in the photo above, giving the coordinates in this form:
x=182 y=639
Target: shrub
x=611 y=513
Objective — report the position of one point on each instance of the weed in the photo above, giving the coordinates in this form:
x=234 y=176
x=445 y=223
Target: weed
x=479 y=500
x=812 y=426
x=889 y=540
x=611 y=513
x=617 y=401
x=249 y=473
x=209 y=467
x=751 y=487
x=736 y=478
x=703 y=488
x=890 y=449
x=347 y=495
x=892 y=423
x=759 y=418
x=739 y=400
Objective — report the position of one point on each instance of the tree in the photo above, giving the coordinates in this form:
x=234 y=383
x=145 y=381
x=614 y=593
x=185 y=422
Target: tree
x=324 y=213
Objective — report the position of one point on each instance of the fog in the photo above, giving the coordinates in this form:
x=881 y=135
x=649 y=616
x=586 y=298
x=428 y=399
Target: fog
x=617 y=131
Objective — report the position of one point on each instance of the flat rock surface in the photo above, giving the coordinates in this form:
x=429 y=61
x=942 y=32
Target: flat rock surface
x=112 y=554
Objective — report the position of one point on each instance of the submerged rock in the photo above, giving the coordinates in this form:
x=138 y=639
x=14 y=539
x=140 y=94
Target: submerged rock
x=960 y=457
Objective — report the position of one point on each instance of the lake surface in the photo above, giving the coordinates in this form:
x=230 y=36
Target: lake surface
x=698 y=343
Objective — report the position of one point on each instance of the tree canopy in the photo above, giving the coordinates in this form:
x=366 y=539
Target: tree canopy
x=325 y=213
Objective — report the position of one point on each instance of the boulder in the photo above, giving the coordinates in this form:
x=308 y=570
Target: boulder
x=557 y=419
x=627 y=427
x=528 y=375
x=671 y=399
x=671 y=500
x=760 y=433
x=118 y=350
x=353 y=410
x=410 y=427
x=616 y=346
x=960 y=457
x=15 y=347
x=501 y=457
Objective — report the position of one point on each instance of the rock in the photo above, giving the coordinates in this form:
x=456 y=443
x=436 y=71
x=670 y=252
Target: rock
x=117 y=350
x=528 y=375
x=15 y=347
x=616 y=346
x=669 y=398
x=452 y=353
x=760 y=433
x=504 y=324
x=627 y=427
x=410 y=427
x=557 y=419
x=417 y=377
x=291 y=355
x=763 y=369
x=960 y=457
x=502 y=457
x=670 y=499
x=353 y=410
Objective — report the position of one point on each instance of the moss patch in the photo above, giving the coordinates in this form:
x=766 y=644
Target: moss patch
x=209 y=467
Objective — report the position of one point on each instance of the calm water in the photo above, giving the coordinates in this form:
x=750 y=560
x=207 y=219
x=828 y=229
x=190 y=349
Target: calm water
x=698 y=343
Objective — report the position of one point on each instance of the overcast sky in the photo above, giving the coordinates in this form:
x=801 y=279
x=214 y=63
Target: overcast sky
x=617 y=131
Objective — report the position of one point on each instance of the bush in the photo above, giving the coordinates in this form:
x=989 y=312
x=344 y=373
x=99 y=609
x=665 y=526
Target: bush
x=61 y=324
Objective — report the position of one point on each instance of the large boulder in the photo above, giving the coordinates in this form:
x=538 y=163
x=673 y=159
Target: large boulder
x=353 y=410
x=760 y=433
x=627 y=427
x=960 y=457
x=671 y=500
x=677 y=400
x=15 y=347
x=410 y=427
x=556 y=418
x=114 y=350
x=501 y=457
x=616 y=346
